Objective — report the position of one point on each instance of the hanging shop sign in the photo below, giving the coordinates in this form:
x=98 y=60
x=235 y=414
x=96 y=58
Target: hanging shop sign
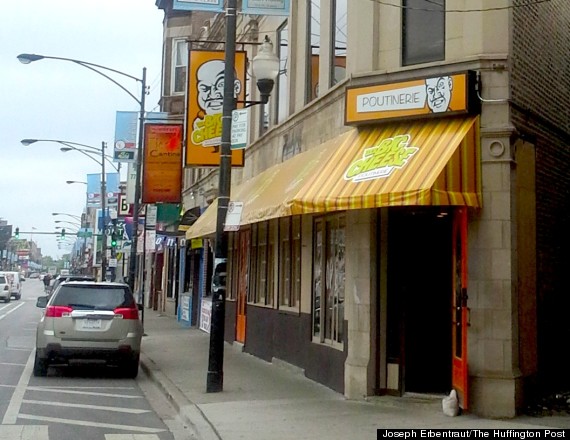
x=198 y=5
x=266 y=7
x=205 y=104
x=126 y=128
x=442 y=95
x=162 y=170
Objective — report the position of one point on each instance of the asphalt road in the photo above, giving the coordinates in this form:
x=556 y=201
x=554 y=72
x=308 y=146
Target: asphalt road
x=88 y=402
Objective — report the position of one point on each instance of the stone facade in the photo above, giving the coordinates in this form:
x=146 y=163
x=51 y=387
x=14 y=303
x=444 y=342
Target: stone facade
x=517 y=255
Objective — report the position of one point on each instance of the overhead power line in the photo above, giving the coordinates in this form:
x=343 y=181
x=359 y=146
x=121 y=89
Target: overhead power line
x=438 y=3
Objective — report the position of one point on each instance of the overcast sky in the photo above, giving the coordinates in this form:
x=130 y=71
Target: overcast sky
x=53 y=99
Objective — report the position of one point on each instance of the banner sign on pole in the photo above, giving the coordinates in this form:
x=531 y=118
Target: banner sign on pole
x=205 y=104
x=162 y=167
x=266 y=7
x=198 y=5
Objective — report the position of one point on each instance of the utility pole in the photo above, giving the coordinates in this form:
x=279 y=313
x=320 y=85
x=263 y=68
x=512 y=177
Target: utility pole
x=215 y=379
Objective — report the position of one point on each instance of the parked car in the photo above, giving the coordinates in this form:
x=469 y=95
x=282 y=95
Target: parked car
x=17 y=279
x=5 y=291
x=89 y=321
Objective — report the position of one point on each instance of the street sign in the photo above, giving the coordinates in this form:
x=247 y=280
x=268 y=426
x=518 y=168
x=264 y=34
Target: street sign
x=124 y=207
x=233 y=216
x=112 y=262
x=240 y=132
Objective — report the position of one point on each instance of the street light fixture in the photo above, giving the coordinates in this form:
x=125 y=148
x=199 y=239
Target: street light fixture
x=266 y=70
x=26 y=58
x=69 y=223
x=88 y=150
x=69 y=182
x=77 y=217
x=67 y=229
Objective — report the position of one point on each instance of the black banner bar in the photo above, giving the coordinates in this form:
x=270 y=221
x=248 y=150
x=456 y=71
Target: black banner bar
x=520 y=434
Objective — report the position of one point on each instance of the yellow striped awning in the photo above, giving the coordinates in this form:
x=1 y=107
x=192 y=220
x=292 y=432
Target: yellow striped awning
x=270 y=193
x=433 y=162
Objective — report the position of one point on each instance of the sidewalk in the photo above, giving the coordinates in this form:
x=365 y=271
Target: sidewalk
x=271 y=401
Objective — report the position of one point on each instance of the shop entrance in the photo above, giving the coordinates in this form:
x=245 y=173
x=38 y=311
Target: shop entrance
x=420 y=268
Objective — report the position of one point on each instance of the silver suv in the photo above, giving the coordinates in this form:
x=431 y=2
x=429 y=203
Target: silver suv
x=89 y=321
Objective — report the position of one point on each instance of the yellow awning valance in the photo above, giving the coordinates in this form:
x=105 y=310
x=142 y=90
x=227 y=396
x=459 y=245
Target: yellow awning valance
x=270 y=193
x=434 y=162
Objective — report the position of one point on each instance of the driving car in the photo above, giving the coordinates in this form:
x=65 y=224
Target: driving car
x=62 y=278
x=88 y=321
x=16 y=278
x=5 y=293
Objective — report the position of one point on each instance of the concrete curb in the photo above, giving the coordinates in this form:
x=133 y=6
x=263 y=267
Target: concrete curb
x=188 y=411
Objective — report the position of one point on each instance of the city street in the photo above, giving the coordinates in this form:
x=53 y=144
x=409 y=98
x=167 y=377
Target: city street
x=70 y=403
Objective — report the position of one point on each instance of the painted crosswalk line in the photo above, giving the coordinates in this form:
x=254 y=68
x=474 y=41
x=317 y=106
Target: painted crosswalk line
x=23 y=432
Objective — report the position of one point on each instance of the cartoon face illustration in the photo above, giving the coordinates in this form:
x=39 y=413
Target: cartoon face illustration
x=439 y=93
x=210 y=86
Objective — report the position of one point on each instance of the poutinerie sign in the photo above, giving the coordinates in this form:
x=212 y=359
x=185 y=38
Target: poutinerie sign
x=441 y=95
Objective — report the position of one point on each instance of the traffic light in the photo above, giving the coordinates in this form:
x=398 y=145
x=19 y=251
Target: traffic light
x=113 y=239
x=17 y=233
x=63 y=233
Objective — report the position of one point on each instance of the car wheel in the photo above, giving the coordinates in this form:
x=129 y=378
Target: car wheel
x=18 y=297
x=131 y=368
x=8 y=299
x=40 y=366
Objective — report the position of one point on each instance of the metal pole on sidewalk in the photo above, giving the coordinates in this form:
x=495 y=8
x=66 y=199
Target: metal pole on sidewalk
x=104 y=214
x=215 y=379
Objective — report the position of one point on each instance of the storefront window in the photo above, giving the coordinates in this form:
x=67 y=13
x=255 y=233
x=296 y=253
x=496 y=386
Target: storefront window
x=329 y=280
x=261 y=269
x=289 y=262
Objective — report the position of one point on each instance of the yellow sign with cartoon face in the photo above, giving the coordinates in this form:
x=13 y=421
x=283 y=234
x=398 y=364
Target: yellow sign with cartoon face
x=205 y=104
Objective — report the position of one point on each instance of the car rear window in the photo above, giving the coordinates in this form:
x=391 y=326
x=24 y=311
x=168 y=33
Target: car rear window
x=93 y=297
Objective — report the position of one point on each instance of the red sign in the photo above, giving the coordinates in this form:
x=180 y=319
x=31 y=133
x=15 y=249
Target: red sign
x=162 y=170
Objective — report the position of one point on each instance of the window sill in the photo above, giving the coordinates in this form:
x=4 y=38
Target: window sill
x=328 y=343
x=290 y=310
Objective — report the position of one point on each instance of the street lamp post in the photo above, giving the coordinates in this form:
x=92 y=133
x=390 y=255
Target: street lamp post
x=74 y=224
x=28 y=58
x=69 y=215
x=215 y=378
x=84 y=226
x=87 y=150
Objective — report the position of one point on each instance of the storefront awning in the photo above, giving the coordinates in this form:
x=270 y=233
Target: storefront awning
x=433 y=162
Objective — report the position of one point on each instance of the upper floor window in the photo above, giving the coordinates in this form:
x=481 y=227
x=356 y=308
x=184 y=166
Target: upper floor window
x=313 y=49
x=423 y=31
x=282 y=81
x=179 y=65
x=338 y=39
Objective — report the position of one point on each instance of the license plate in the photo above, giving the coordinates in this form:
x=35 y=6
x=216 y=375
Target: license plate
x=91 y=323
